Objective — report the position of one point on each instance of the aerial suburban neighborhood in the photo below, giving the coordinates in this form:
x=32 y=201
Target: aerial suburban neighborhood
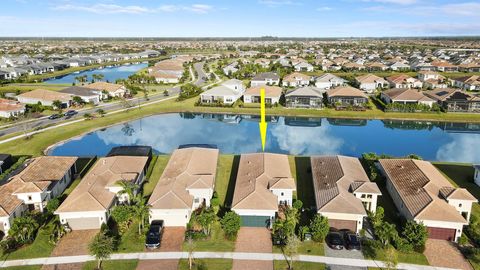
x=153 y=135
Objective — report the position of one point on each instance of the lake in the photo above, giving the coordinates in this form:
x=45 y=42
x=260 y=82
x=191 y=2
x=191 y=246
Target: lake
x=110 y=73
x=235 y=134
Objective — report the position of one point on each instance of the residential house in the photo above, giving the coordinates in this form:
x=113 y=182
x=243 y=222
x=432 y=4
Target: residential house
x=369 y=82
x=471 y=83
x=421 y=193
x=296 y=79
x=399 y=66
x=406 y=96
x=328 y=80
x=343 y=191
x=45 y=97
x=112 y=89
x=266 y=78
x=476 y=177
x=455 y=100
x=40 y=180
x=403 y=81
x=230 y=69
x=227 y=93
x=305 y=97
x=186 y=184
x=432 y=80
x=6 y=162
x=444 y=66
x=302 y=66
x=11 y=108
x=88 y=95
x=264 y=181
x=90 y=203
x=167 y=71
x=346 y=95
x=272 y=94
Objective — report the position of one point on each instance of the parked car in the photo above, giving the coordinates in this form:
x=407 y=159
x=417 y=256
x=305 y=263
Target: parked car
x=154 y=234
x=335 y=240
x=54 y=116
x=351 y=241
x=70 y=113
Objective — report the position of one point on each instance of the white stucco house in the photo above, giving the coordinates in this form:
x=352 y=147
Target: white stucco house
x=264 y=181
x=266 y=78
x=186 y=184
x=227 y=93
x=90 y=203
x=11 y=108
x=369 y=82
x=328 y=80
x=343 y=191
x=45 y=97
x=272 y=94
x=41 y=180
x=421 y=193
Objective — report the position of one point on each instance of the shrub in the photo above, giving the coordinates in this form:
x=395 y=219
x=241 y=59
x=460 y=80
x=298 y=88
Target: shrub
x=52 y=205
x=189 y=90
x=416 y=234
x=319 y=228
x=231 y=224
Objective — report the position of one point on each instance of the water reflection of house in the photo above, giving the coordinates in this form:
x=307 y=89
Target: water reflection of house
x=459 y=127
x=256 y=118
x=408 y=125
x=347 y=122
x=303 y=121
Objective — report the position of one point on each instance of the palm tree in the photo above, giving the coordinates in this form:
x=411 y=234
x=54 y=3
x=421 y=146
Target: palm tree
x=128 y=188
x=141 y=210
x=23 y=229
x=101 y=247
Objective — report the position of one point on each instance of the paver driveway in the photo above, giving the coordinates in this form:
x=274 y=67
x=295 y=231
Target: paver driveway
x=253 y=240
x=73 y=243
x=344 y=253
x=443 y=253
x=172 y=240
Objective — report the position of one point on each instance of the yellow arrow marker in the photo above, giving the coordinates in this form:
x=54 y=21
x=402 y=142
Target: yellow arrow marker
x=262 y=124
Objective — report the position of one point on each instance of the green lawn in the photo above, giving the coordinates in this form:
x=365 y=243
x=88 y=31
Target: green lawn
x=27 y=267
x=131 y=241
x=410 y=257
x=157 y=167
x=41 y=247
x=224 y=176
x=210 y=264
x=216 y=242
x=306 y=248
x=282 y=265
x=112 y=265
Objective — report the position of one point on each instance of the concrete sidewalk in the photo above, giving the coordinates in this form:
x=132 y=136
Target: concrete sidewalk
x=214 y=255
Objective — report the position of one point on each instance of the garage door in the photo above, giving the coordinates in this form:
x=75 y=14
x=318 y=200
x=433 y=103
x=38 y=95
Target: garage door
x=441 y=233
x=340 y=224
x=84 y=223
x=172 y=220
x=255 y=221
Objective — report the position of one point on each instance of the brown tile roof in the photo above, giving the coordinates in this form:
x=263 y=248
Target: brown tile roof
x=333 y=179
x=345 y=91
x=92 y=194
x=270 y=91
x=399 y=78
x=46 y=95
x=257 y=174
x=188 y=168
x=293 y=77
x=171 y=64
x=8 y=201
x=46 y=168
x=443 y=94
x=369 y=78
x=406 y=94
x=104 y=86
x=7 y=105
x=420 y=185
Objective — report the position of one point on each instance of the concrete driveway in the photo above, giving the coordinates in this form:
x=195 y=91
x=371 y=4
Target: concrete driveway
x=251 y=239
x=344 y=253
x=172 y=240
x=443 y=253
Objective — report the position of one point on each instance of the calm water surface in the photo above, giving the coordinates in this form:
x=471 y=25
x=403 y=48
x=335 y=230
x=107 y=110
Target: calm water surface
x=299 y=136
x=110 y=74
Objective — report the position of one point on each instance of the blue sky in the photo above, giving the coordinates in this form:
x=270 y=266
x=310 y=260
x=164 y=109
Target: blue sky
x=233 y=18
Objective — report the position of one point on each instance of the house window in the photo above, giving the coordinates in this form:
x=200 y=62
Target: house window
x=281 y=194
x=29 y=198
x=364 y=196
x=197 y=200
x=369 y=196
x=459 y=205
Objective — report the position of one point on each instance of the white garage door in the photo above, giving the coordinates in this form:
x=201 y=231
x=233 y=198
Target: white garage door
x=172 y=219
x=84 y=223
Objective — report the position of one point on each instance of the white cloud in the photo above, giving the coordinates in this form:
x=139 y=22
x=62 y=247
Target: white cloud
x=463 y=148
x=276 y=3
x=462 y=9
x=324 y=9
x=117 y=9
x=105 y=8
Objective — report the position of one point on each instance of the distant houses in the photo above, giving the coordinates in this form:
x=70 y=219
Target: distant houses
x=266 y=78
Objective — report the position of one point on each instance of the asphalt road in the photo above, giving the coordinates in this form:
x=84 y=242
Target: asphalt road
x=107 y=107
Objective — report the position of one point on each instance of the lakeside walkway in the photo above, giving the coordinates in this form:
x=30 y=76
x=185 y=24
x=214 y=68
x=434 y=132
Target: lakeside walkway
x=215 y=255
